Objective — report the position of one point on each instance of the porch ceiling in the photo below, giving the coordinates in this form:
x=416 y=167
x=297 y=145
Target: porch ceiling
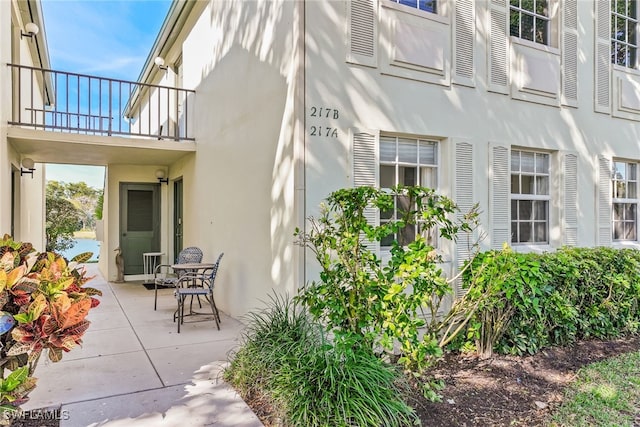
x=57 y=147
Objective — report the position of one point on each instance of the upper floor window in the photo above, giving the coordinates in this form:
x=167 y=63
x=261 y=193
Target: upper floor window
x=529 y=197
x=407 y=161
x=529 y=20
x=426 y=5
x=624 y=39
x=625 y=200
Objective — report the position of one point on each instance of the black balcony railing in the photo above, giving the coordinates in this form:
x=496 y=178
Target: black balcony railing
x=77 y=103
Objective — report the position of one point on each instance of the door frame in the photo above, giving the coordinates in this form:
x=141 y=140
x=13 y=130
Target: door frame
x=178 y=217
x=153 y=244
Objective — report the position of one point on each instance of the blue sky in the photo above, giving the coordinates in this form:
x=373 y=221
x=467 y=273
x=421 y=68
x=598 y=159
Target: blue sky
x=102 y=38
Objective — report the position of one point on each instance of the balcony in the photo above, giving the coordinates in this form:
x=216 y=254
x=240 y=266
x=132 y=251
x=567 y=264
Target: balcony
x=66 y=102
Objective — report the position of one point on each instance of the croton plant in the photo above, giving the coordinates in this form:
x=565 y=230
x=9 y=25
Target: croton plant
x=43 y=308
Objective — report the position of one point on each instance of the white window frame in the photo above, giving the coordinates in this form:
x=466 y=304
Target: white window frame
x=397 y=164
x=615 y=199
x=546 y=18
x=435 y=9
x=632 y=45
x=515 y=238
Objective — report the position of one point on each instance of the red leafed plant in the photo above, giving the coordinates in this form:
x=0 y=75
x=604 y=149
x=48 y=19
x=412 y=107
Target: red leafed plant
x=43 y=307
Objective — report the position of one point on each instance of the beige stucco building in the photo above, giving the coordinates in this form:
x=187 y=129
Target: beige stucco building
x=530 y=109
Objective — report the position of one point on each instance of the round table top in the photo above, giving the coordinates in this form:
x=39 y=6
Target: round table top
x=192 y=266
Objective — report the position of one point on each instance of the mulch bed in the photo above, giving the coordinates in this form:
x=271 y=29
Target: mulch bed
x=510 y=390
x=502 y=390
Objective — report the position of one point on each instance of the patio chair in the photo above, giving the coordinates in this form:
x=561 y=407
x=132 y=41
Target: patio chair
x=203 y=287
x=164 y=275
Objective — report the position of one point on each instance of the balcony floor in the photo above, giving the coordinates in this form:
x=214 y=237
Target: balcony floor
x=134 y=369
x=44 y=146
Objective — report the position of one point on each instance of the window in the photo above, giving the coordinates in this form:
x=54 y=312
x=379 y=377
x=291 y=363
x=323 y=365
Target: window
x=624 y=26
x=529 y=20
x=407 y=161
x=625 y=200
x=529 y=197
x=426 y=5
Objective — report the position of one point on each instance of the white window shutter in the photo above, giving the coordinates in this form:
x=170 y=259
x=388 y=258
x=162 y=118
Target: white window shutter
x=570 y=53
x=464 y=30
x=604 y=201
x=365 y=147
x=499 y=195
x=498 y=52
x=603 y=56
x=464 y=200
x=570 y=202
x=362 y=32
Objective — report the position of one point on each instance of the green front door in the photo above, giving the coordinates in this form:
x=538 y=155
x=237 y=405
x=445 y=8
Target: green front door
x=139 y=224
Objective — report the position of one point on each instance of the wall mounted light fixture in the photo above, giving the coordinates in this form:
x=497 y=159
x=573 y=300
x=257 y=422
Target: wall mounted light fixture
x=31 y=28
x=29 y=164
x=159 y=61
x=160 y=175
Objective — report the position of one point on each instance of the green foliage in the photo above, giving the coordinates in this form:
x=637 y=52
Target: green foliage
x=69 y=207
x=553 y=298
x=99 y=206
x=43 y=307
x=62 y=219
x=284 y=361
x=82 y=257
x=360 y=300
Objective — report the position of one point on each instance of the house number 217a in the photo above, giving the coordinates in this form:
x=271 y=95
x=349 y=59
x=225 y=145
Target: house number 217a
x=327 y=132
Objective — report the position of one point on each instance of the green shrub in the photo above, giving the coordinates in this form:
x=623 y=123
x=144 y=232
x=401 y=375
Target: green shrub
x=284 y=361
x=510 y=289
x=553 y=298
x=360 y=299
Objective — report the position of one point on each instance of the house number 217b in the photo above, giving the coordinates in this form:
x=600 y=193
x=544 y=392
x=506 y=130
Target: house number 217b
x=325 y=113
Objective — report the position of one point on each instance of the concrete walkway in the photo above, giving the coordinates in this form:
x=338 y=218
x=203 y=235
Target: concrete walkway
x=134 y=369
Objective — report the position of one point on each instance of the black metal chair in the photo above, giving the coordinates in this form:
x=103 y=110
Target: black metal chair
x=164 y=275
x=197 y=285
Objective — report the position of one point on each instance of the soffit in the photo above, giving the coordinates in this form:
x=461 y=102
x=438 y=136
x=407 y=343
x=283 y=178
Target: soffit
x=57 y=147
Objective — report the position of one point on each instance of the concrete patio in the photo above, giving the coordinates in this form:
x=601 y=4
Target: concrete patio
x=134 y=369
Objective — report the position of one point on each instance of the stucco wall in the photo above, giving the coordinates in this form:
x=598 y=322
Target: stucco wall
x=5 y=102
x=371 y=98
x=239 y=58
x=29 y=203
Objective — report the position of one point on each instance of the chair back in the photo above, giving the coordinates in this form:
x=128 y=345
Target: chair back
x=189 y=255
x=214 y=272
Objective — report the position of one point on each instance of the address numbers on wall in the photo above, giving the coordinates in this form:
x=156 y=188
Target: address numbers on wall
x=320 y=121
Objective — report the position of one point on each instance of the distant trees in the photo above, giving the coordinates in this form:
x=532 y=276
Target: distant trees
x=69 y=208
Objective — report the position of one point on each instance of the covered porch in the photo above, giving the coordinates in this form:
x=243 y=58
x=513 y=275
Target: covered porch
x=134 y=369
x=141 y=133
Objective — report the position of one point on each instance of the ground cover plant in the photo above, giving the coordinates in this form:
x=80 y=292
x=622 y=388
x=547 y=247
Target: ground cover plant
x=294 y=376
x=605 y=393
